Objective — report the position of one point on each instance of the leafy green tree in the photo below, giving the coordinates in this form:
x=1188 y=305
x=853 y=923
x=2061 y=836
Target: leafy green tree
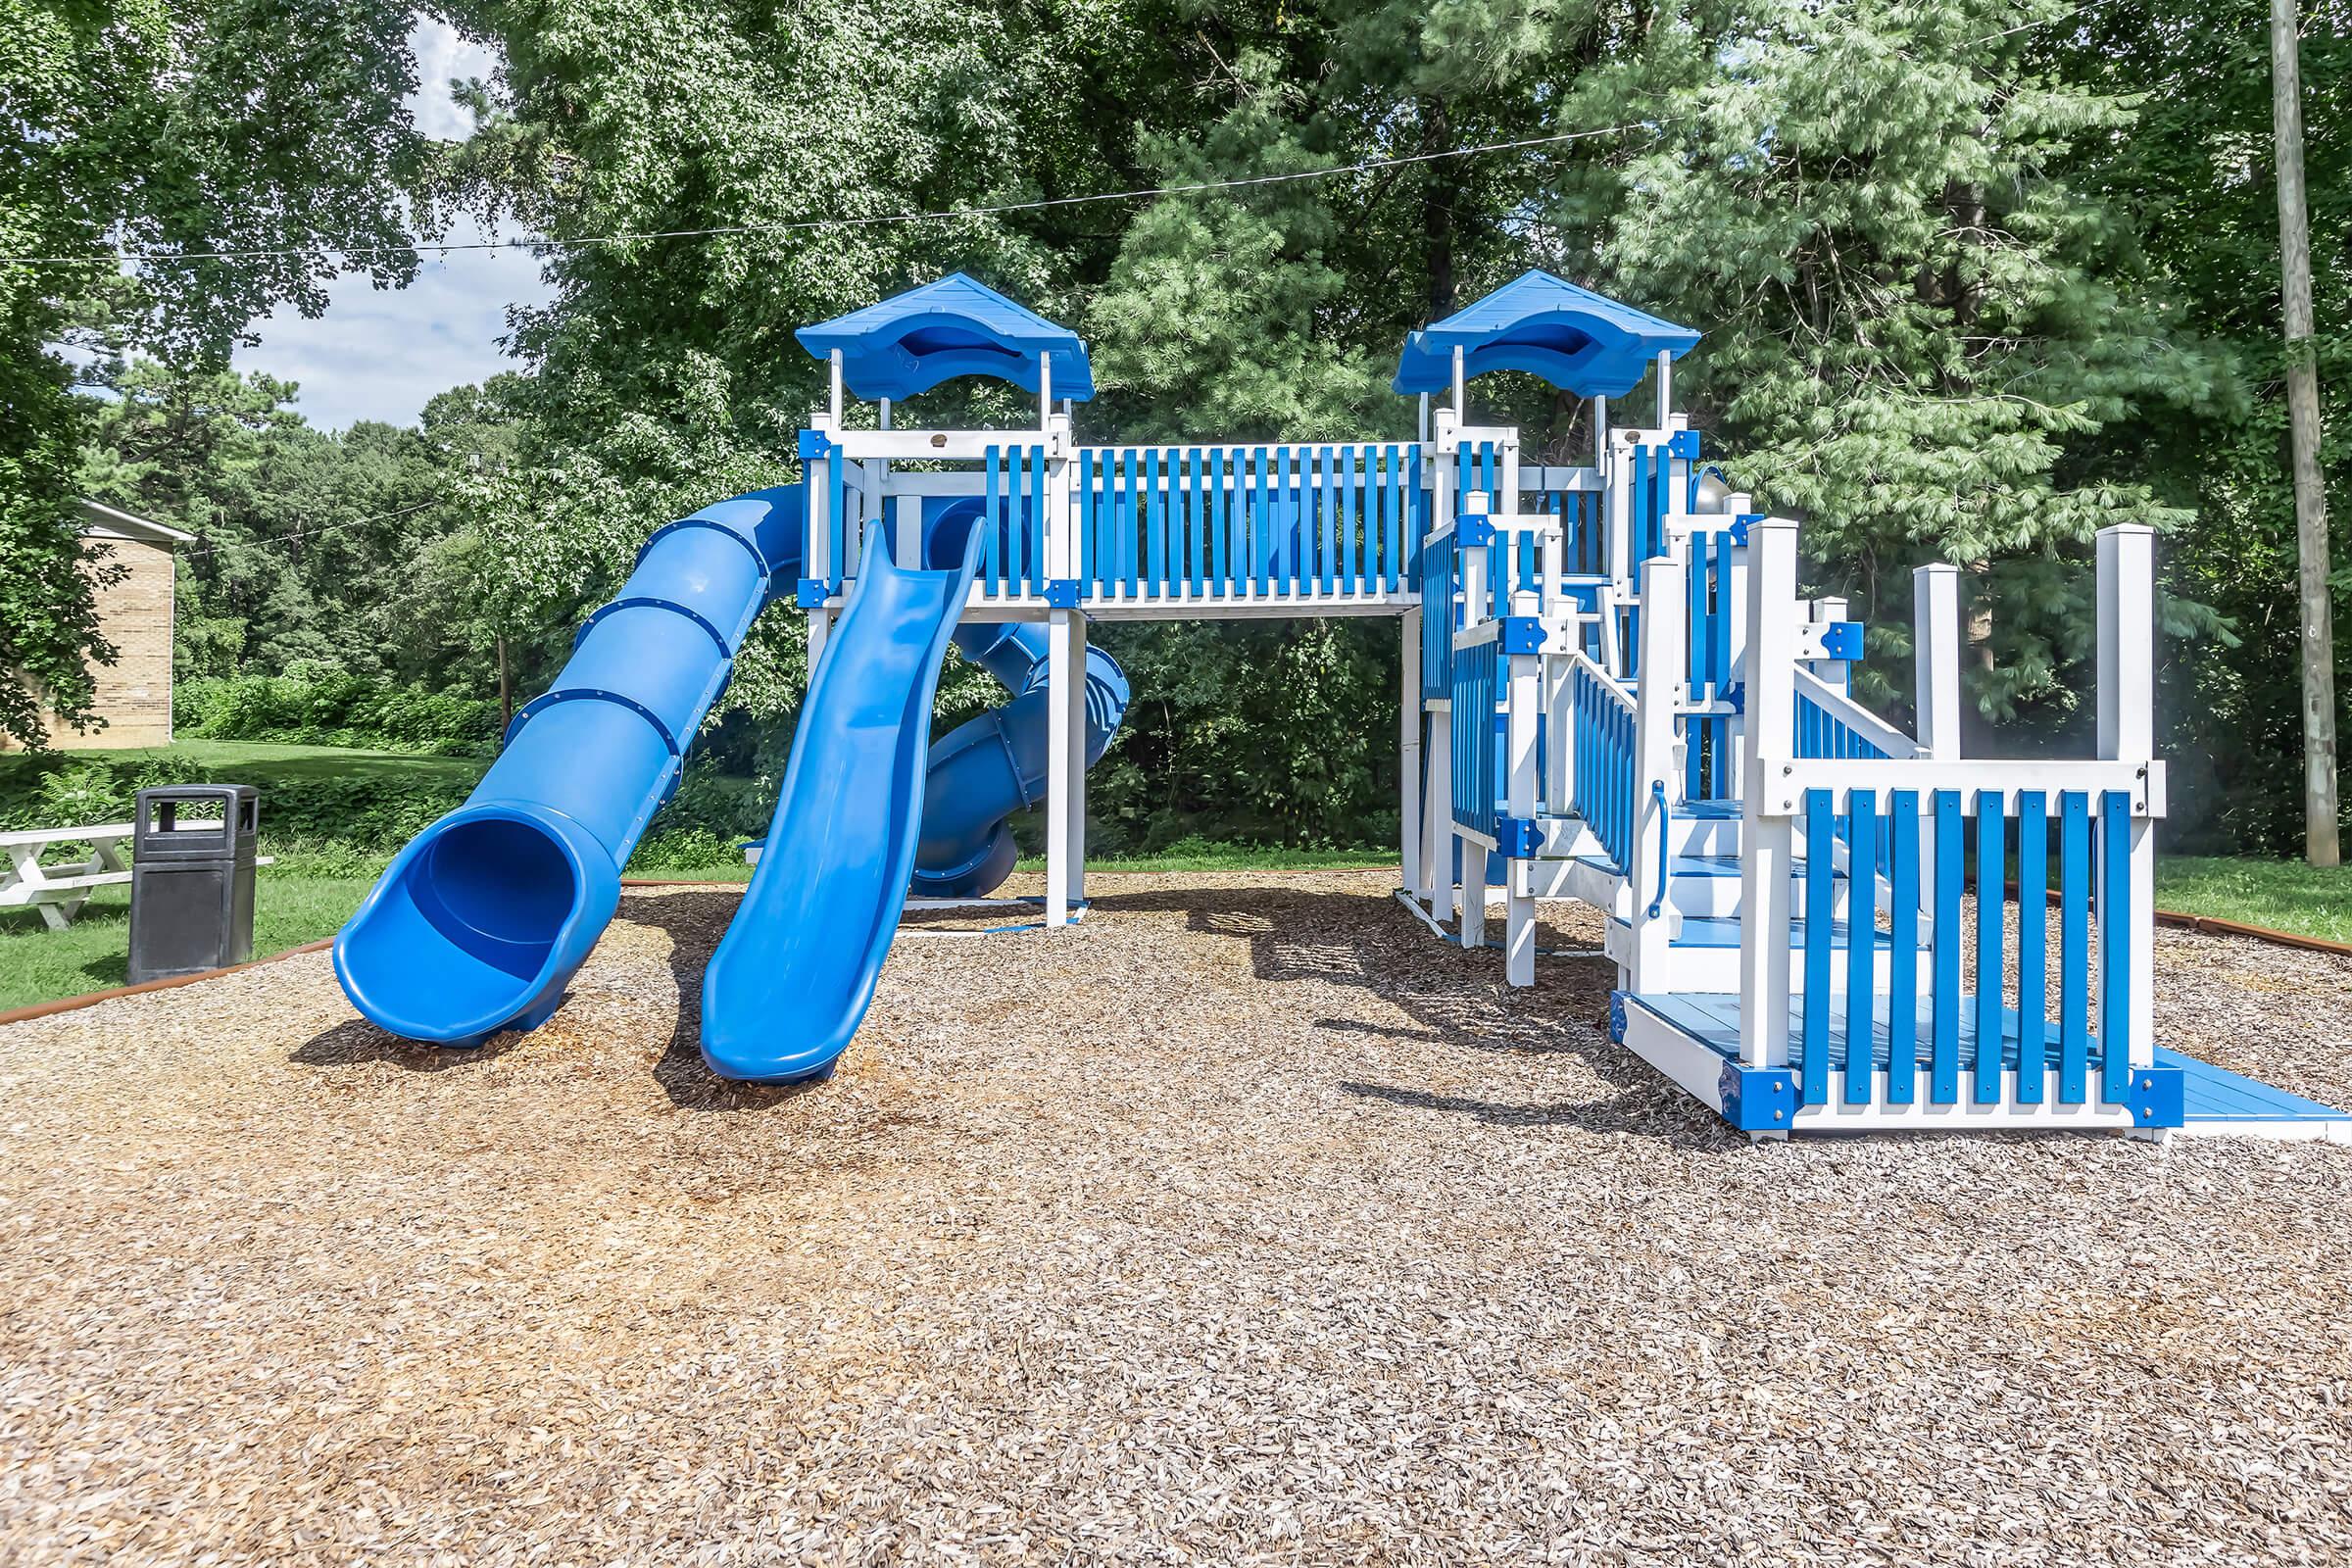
x=1916 y=327
x=2198 y=179
x=238 y=126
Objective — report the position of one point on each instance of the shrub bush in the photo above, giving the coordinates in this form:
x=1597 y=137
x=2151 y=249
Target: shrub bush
x=323 y=706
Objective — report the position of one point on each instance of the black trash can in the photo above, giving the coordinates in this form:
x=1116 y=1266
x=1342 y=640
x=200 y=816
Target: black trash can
x=191 y=879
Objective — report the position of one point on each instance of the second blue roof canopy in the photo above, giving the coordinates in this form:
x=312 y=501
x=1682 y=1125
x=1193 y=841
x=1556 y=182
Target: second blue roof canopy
x=958 y=326
x=1584 y=343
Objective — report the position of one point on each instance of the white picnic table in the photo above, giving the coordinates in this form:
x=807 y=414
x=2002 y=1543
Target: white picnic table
x=60 y=891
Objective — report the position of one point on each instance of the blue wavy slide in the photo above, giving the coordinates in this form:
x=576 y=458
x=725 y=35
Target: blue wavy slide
x=480 y=924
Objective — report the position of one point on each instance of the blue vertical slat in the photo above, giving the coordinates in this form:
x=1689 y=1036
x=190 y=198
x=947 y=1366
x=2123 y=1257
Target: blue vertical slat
x=2115 y=947
x=1033 y=534
x=1902 y=947
x=1288 y=523
x=1943 y=1077
x=1861 y=942
x=1156 y=501
x=2033 y=938
x=1254 y=523
x=992 y=511
x=1992 y=862
x=1130 y=520
x=1327 y=519
x=2074 y=948
x=1219 y=551
x=1821 y=900
x=1198 y=511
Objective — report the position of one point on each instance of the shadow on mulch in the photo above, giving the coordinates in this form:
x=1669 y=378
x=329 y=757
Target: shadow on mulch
x=694 y=923
x=1456 y=999
x=357 y=1042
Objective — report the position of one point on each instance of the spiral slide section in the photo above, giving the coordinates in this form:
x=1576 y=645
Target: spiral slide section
x=796 y=971
x=479 y=923
x=996 y=764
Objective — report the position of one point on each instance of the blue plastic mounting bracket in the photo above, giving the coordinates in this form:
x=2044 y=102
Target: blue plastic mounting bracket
x=810 y=593
x=1737 y=696
x=1062 y=593
x=1474 y=530
x=1683 y=444
x=2158 y=1096
x=1617 y=1017
x=1742 y=523
x=1516 y=838
x=1757 y=1099
x=1522 y=634
x=816 y=444
x=1842 y=639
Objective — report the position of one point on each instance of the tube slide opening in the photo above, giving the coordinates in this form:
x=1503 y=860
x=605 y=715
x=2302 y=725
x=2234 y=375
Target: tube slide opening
x=499 y=890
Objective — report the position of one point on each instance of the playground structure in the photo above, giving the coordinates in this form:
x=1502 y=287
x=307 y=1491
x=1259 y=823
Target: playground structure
x=1612 y=692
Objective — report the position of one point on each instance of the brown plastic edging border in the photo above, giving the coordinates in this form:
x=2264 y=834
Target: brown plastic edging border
x=90 y=998
x=2205 y=924
x=2215 y=925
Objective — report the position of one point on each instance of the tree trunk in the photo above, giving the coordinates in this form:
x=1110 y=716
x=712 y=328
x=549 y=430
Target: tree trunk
x=2319 y=845
x=1437 y=208
x=506 y=691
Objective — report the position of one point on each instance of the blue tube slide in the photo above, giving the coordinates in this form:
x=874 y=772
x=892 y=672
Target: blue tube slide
x=996 y=765
x=479 y=923
x=796 y=971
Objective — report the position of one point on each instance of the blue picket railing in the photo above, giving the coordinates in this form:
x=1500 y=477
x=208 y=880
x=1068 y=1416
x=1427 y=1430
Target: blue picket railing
x=1440 y=617
x=1012 y=540
x=1823 y=734
x=1602 y=788
x=1477 y=737
x=1916 y=1022
x=1583 y=543
x=1255 y=521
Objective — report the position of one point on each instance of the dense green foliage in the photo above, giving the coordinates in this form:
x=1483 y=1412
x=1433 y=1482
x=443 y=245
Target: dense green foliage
x=136 y=125
x=1976 y=279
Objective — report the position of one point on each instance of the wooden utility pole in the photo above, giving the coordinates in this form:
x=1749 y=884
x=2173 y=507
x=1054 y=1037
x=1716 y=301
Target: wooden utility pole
x=2319 y=846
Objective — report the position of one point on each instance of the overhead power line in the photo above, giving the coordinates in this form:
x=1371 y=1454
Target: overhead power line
x=871 y=220
x=205 y=547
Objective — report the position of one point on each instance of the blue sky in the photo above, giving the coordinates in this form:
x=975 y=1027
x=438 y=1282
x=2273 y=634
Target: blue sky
x=378 y=354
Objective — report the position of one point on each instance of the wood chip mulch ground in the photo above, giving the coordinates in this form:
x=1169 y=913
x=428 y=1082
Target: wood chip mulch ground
x=1244 y=1224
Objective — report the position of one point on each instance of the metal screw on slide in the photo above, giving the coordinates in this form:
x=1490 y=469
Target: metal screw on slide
x=1657 y=793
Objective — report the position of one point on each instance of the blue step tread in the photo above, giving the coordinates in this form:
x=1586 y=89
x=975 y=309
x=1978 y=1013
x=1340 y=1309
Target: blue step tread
x=2211 y=1093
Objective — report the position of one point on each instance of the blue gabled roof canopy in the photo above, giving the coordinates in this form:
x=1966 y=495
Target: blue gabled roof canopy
x=1584 y=343
x=913 y=341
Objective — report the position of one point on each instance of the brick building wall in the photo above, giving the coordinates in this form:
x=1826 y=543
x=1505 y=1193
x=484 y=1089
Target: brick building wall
x=135 y=693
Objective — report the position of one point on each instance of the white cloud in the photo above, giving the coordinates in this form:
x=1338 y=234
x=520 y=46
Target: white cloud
x=378 y=354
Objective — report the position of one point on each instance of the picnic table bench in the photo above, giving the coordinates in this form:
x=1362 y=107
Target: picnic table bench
x=60 y=891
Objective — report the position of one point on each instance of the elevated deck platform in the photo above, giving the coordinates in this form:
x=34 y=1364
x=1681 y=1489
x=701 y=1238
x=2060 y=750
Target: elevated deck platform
x=1693 y=1038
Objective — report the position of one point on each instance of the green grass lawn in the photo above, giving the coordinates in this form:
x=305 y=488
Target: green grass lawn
x=293 y=903
x=259 y=760
x=2283 y=895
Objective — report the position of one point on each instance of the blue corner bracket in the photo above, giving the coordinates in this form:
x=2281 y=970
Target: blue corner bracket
x=1757 y=1099
x=2158 y=1096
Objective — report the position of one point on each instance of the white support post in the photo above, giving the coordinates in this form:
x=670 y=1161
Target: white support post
x=1767 y=844
x=1045 y=392
x=2127 y=734
x=1062 y=679
x=1665 y=389
x=1559 y=733
x=1617 y=514
x=1838 y=672
x=1935 y=658
x=907 y=531
x=1438 y=889
x=820 y=628
x=1472 y=903
x=1600 y=438
x=883 y=421
x=1461 y=389
x=1423 y=424
x=1658 y=696
x=833 y=404
x=1408 y=814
